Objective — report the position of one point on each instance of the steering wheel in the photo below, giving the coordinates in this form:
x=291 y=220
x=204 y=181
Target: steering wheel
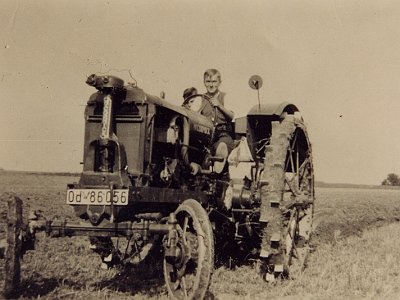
x=194 y=102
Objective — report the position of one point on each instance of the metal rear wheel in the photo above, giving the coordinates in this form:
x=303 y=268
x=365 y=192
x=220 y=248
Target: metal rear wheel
x=190 y=276
x=287 y=199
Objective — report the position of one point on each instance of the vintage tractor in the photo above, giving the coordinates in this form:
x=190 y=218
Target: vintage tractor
x=151 y=176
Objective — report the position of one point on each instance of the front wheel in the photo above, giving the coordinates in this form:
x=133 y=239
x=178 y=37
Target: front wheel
x=189 y=276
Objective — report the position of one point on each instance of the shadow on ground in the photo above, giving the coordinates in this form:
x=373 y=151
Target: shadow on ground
x=136 y=280
x=145 y=277
x=131 y=280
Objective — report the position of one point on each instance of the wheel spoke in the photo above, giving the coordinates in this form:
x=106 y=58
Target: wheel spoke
x=304 y=164
x=290 y=153
x=292 y=188
x=304 y=169
x=185 y=225
x=184 y=287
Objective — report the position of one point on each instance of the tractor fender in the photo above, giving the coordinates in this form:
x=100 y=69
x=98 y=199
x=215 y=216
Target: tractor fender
x=272 y=109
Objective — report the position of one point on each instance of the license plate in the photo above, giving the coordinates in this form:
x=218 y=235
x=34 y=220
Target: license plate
x=97 y=196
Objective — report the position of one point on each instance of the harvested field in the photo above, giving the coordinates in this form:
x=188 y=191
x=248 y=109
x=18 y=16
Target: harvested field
x=355 y=252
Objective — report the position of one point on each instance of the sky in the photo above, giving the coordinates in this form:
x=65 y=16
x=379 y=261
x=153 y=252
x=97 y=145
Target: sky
x=337 y=61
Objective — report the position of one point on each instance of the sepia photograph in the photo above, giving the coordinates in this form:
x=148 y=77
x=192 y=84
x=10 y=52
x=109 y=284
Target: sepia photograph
x=199 y=149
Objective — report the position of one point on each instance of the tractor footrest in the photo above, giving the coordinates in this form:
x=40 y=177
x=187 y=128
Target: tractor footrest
x=3 y=245
x=274 y=202
x=278 y=269
x=264 y=253
x=276 y=237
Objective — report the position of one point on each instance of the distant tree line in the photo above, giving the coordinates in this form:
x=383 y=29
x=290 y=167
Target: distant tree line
x=392 y=179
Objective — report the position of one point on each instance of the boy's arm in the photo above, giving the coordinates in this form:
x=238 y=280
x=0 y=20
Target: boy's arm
x=228 y=113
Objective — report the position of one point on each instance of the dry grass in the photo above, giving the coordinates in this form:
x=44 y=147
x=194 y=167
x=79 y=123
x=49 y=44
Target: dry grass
x=363 y=267
x=356 y=252
x=354 y=268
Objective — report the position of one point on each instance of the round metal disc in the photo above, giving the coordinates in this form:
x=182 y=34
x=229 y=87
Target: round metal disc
x=255 y=82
